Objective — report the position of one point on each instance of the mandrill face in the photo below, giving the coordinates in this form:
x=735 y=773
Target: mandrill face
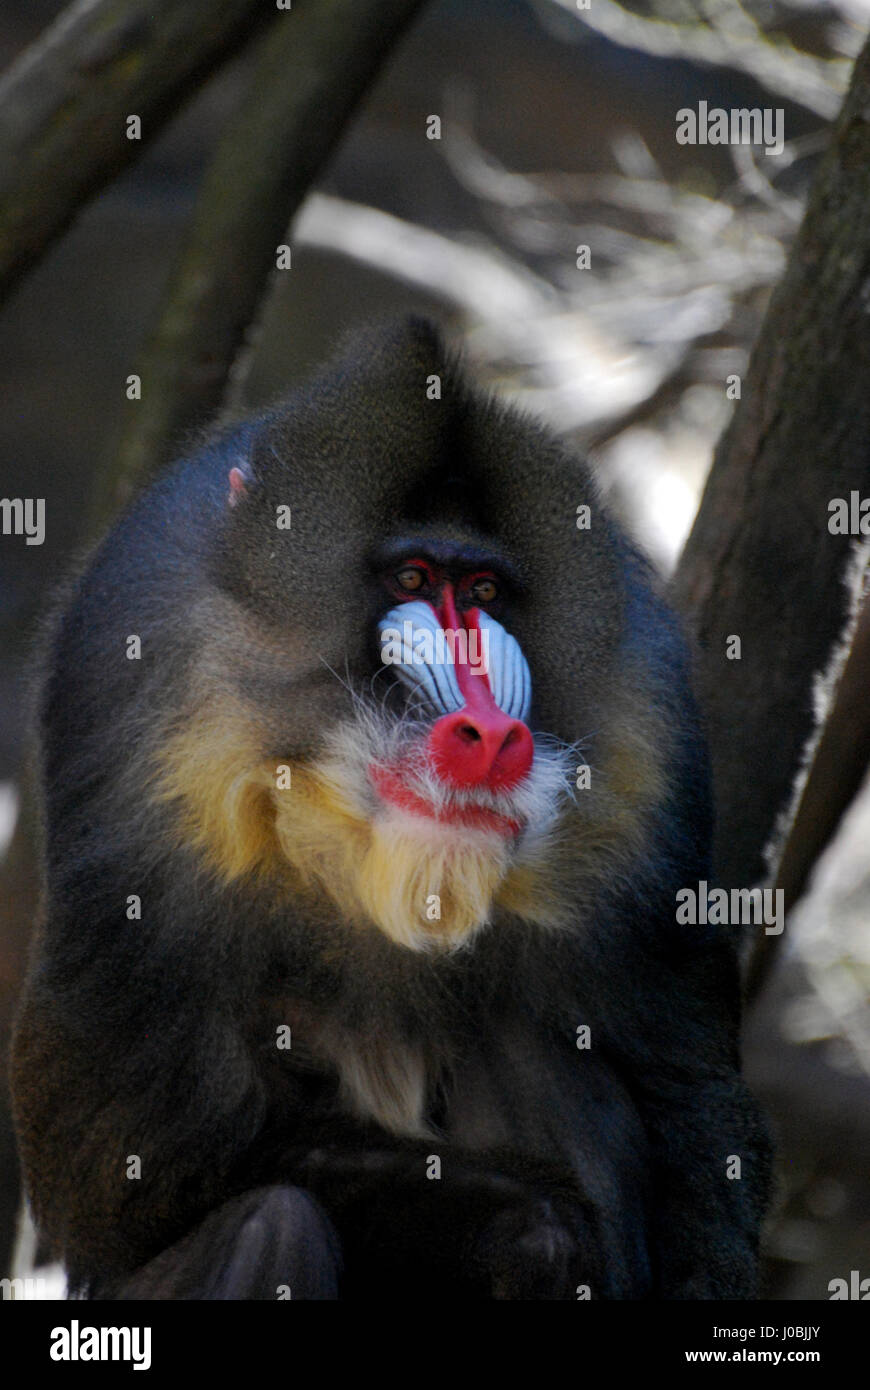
x=390 y=694
x=435 y=805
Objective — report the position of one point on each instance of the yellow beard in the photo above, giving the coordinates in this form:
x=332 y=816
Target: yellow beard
x=425 y=885
x=422 y=883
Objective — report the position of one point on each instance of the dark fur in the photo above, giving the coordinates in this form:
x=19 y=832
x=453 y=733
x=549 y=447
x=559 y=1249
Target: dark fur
x=156 y=1037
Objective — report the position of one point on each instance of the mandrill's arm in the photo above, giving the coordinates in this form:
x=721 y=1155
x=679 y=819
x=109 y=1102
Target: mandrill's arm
x=709 y=1144
x=135 y=1097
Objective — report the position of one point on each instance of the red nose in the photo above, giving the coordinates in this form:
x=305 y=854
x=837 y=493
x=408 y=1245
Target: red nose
x=480 y=747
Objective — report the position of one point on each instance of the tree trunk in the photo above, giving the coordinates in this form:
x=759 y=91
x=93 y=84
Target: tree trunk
x=761 y=562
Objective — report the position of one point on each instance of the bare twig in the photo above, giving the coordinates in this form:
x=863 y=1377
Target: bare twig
x=813 y=83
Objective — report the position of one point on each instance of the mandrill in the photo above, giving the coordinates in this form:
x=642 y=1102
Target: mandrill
x=370 y=775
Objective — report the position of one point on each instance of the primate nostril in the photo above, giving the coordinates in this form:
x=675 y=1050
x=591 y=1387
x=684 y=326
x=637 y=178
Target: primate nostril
x=469 y=733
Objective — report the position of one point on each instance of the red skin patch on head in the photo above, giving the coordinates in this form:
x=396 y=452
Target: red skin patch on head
x=478 y=745
x=391 y=788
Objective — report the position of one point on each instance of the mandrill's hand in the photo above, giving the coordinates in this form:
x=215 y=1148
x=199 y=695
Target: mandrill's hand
x=492 y=1227
x=534 y=1252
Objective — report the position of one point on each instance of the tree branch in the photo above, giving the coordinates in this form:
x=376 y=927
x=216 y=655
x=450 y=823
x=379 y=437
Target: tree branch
x=313 y=65
x=760 y=562
x=64 y=104
x=840 y=761
x=780 y=68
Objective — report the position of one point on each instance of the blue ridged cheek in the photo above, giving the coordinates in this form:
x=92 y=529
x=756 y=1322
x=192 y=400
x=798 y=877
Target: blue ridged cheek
x=414 y=649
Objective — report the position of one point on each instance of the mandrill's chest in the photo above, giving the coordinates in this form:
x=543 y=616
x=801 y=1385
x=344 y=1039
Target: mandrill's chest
x=481 y=1086
x=366 y=1067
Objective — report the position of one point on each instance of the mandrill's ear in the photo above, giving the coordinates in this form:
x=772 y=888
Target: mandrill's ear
x=240 y=479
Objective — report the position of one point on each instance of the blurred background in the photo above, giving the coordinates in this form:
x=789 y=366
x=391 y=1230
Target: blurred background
x=557 y=131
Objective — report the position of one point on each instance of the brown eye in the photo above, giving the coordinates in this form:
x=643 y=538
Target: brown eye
x=484 y=590
x=410 y=579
